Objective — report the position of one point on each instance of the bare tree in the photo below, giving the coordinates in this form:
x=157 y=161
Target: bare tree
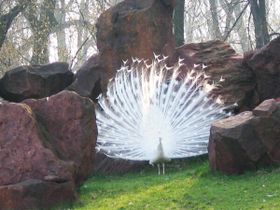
x=240 y=28
x=7 y=19
x=215 y=20
x=65 y=29
x=42 y=19
x=60 y=14
x=258 y=9
x=178 y=20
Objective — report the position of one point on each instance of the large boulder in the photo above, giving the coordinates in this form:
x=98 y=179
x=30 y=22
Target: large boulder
x=36 y=194
x=46 y=149
x=134 y=28
x=36 y=81
x=89 y=78
x=265 y=63
x=224 y=67
x=246 y=141
x=24 y=152
x=69 y=121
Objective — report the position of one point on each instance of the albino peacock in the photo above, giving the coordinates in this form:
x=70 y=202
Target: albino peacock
x=154 y=112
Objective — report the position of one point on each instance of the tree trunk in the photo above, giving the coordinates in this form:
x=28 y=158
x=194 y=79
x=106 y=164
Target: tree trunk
x=235 y=22
x=6 y=21
x=40 y=54
x=41 y=26
x=228 y=8
x=258 y=10
x=241 y=30
x=178 y=20
x=60 y=34
x=216 y=32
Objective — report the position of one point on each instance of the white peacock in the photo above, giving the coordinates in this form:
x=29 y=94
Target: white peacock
x=154 y=112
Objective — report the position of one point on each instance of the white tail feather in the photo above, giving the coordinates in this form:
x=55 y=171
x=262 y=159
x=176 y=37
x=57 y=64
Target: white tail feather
x=148 y=102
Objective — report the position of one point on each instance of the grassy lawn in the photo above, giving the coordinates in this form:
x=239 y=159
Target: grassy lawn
x=187 y=185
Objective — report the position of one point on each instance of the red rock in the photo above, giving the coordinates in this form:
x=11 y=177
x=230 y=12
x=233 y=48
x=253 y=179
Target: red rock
x=69 y=123
x=24 y=152
x=89 y=78
x=35 y=194
x=222 y=62
x=265 y=63
x=267 y=129
x=46 y=147
x=246 y=141
x=35 y=81
x=226 y=141
x=134 y=28
x=266 y=108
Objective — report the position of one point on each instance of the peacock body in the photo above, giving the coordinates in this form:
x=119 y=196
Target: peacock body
x=156 y=113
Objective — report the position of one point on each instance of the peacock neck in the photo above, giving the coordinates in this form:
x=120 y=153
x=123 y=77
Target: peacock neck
x=160 y=148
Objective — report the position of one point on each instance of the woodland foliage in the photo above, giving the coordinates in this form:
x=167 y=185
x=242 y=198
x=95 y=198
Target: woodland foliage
x=42 y=31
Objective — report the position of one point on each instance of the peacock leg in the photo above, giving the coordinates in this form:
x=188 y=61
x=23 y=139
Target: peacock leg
x=158 y=166
x=163 y=168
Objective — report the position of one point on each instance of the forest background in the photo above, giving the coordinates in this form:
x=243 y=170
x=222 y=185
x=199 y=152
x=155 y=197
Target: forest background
x=43 y=31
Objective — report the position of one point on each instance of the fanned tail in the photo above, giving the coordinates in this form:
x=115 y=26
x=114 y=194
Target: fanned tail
x=146 y=102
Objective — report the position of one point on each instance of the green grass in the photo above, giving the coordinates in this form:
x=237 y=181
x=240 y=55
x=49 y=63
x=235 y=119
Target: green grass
x=190 y=186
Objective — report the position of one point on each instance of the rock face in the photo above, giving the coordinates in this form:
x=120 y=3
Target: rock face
x=35 y=81
x=248 y=79
x=46 y=149
x=222 y=62
x=69 y=121
x=89 y=78
x=265 y=64
x=266 y=108
x=23 y=154
x=35 y=194
x=246 y=141
x=134 y=28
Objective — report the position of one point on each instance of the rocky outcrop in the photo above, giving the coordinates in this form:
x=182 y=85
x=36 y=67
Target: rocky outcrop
x=246 y=141
x=24 y=153
x=89 y=78
x=46 y=149
x=266 y=108
x=35 y=81
x=237 y=84
x=36 y=194
x=69 y=121
x=265 y=63
x=134 y=28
